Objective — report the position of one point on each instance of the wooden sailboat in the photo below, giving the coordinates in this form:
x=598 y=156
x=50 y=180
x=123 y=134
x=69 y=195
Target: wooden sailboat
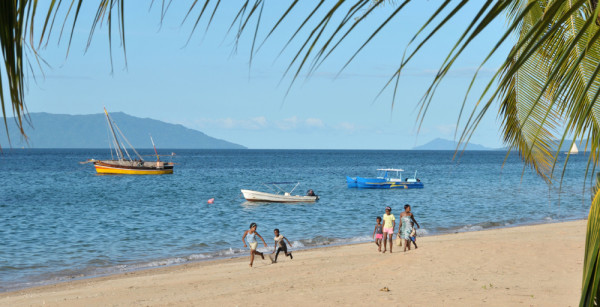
x=124 y=164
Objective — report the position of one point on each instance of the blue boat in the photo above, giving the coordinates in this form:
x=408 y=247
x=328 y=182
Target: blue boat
x=387 y=178
x=351 y=182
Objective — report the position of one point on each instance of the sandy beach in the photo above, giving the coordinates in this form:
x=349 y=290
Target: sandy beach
x=537 y=265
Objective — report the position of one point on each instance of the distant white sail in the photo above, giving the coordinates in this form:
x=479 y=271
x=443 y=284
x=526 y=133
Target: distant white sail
x=574 y=149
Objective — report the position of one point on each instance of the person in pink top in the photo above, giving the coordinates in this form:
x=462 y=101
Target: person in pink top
x=389 y=223
x=378 y=233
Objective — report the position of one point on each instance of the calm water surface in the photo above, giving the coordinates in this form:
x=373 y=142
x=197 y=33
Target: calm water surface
x=59 y=220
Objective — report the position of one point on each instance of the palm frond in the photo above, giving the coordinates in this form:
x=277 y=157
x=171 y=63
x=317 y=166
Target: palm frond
x=591 y=260
x=17 y=34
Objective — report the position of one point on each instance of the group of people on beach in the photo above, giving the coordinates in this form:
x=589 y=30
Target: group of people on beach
x=279 y=246
x=406 y=230
x=382 y=234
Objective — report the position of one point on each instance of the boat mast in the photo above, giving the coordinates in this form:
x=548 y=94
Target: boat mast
x=156 y=152
x=118 y=149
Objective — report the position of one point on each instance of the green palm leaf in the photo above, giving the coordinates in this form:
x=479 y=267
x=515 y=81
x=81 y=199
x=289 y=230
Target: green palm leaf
x=17 y=33
x=591 y=262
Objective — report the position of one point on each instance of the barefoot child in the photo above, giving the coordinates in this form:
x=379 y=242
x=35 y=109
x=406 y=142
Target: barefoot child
x=280 y=245
x=413 y=236
x=378 y=233
x=250 y=236
x=388 y=228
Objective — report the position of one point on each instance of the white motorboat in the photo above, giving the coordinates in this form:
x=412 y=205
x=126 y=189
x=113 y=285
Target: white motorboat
x=281 y=196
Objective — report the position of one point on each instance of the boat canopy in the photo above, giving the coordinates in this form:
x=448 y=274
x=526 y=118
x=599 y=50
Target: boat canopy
x=278 y=188
x=393 y=174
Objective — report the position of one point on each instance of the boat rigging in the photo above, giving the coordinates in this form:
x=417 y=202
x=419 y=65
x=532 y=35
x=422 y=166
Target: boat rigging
x=124 y=164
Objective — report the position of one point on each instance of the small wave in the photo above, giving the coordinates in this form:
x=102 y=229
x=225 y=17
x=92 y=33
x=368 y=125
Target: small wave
x=474 y=227
x=422 y=232
x=323 y=241
x=98 y=262
x=197 y=257
x=14 y=268
x=469 y=228
x=297 y=244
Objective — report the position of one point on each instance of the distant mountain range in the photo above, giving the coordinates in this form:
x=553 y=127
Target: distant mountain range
x=91 y=131
x=443 y=144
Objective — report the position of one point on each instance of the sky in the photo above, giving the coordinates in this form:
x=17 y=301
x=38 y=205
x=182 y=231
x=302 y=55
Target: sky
x=204 y=80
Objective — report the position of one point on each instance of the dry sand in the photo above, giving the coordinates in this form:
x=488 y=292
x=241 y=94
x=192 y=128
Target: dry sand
x=538 y=265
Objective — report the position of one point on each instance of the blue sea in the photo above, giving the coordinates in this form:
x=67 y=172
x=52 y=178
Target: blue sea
x=60 y=221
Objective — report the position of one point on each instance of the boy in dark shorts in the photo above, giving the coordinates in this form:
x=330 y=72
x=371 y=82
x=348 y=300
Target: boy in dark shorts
x=280 y=246
x=413 y=236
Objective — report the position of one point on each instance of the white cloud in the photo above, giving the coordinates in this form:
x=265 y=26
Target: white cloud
x=255 y=123
x=314 y=123
x=227 y=123
x=288 y=123
x=293 y=123
x=260 y=121
x=346 y=126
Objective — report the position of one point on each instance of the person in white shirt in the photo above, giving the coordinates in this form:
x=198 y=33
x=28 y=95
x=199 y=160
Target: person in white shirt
x=280 y=246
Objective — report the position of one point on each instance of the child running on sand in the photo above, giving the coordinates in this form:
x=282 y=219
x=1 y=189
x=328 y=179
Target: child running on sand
x=378 y=233
x=280 y=246
x=388 y=228
x=250 y=236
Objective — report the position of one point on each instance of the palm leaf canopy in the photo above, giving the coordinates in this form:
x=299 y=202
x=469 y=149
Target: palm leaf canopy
x=545 y=90
x=21 y=38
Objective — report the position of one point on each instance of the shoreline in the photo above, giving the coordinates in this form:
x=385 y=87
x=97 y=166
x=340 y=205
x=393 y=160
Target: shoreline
x=185 y=260
x=463 y=253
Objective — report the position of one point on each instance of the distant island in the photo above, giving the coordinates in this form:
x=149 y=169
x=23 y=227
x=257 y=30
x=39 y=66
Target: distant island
x=443 y=144
x=90 y=131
